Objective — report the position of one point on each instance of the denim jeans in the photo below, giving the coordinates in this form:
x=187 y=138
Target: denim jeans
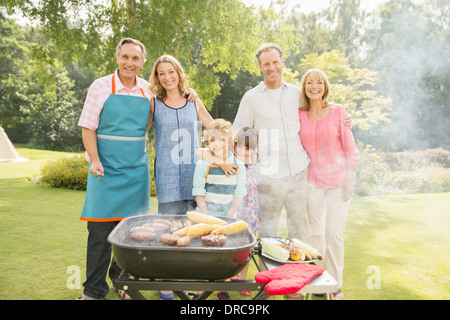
x=98 y=260
x=177 y=207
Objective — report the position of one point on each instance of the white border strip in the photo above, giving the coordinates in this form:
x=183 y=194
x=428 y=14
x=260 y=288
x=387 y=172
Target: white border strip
x=104 y=136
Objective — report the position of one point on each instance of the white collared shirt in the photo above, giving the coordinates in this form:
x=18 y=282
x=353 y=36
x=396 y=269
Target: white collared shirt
x=280 y=150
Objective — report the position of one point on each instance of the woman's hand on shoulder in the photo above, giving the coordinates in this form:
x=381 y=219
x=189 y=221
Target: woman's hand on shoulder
x=191 y=94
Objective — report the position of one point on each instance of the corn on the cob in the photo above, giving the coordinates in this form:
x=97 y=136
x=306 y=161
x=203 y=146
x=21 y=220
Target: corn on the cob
x=313 y=252
x=198 y=217
x=275 y=251
x=231 y=228
x=182 y=232
x=196 y=230
x=295 y=253
x=200 y=229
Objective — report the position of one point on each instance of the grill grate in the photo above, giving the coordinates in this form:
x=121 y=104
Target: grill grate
x=124 y=238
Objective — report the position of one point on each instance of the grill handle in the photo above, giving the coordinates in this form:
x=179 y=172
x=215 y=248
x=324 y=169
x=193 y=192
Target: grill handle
x=257 y=249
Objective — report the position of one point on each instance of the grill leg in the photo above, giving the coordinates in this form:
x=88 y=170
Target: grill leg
x=182 y=295
x=204 y=295
x=135 y=295
x=261 y=294
x=121 y=284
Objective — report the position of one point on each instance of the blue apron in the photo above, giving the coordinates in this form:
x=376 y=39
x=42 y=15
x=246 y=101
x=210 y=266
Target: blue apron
x=176 y=132
x=121 y=144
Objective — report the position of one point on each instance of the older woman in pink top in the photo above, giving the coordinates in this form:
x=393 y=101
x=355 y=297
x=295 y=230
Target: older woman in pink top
x=331 y=172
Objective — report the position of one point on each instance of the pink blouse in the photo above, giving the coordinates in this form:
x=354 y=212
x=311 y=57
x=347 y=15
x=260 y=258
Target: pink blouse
x=330 y=145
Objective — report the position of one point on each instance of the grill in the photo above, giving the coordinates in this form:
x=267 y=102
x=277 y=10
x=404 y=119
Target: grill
x=156 y=266
x=154 y=260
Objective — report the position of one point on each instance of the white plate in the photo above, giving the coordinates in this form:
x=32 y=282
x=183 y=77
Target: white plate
x=278 y=240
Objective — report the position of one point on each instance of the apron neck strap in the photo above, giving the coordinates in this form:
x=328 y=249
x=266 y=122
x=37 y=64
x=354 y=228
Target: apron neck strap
x=113 y=91
x=113 y=84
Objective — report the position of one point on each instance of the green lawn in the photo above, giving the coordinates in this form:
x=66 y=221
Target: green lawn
x=397 y=247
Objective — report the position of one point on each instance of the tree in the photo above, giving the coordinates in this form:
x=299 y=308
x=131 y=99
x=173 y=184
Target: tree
x=351 y=87
x=14 y=49
x=201 y=34
x=337 y=27
x=38 y=97
x=52 y=110
x=347 y=21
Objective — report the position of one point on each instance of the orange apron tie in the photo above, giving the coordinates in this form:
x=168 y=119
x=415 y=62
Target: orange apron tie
x=114 y=86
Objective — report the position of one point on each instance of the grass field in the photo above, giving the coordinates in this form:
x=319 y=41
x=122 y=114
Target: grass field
x=397 y=247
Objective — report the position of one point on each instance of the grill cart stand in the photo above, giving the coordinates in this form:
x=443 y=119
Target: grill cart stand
x=323 y=283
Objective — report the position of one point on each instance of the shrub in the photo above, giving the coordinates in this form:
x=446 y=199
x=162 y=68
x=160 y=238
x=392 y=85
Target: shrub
x=411 y=160
x=403 y=172
x=69 y=172
x=72 y=172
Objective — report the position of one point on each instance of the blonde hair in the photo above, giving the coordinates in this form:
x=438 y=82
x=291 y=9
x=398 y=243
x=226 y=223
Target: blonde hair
x=247 y=137
x=304 y=98
x=133 y=41
x=217 y=129
x=157 y=88
x=267 y=47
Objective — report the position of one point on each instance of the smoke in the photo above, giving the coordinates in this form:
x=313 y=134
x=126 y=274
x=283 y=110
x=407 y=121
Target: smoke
x=413 y=63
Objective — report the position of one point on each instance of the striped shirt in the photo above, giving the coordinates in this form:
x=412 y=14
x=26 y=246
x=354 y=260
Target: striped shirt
x=100 y=90
x=212 y=183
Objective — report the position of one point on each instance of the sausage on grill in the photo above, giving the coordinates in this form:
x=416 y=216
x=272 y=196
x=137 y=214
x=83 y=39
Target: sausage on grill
x=143 y=229
x=170 y=239
x=143 y=235
x=157 y=226
x=183 y=241
x=163 y=221
x=187 y=223
x=176 y=225
x=213 y=240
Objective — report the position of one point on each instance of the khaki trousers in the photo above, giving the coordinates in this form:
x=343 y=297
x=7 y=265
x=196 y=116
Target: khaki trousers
x=327 y=214
x=273 y=194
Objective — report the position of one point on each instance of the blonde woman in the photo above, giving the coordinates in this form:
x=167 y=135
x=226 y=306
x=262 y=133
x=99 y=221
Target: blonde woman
x=331 y=173
x=175 y=118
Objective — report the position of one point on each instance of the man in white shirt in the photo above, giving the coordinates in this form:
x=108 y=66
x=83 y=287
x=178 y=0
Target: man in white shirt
x=272 y=107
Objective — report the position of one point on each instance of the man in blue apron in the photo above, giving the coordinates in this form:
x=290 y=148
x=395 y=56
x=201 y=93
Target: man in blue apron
x=114 y=126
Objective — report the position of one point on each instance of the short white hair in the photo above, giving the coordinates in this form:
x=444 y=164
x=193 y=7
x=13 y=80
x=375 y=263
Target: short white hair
x=133 y=41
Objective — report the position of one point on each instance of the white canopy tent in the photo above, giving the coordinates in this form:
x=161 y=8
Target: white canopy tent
x=7 y=151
